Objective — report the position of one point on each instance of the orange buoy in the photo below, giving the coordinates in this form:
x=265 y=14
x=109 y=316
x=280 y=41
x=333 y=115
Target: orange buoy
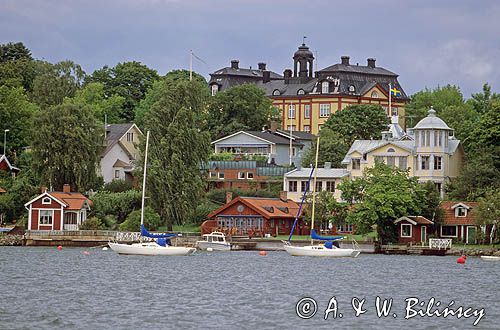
x=461 y=260
x=59 y=247
x=464 y=256
x=262 y=253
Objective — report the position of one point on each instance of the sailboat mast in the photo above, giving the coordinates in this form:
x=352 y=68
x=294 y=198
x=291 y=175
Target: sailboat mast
x=144 y=177
x=314 y=186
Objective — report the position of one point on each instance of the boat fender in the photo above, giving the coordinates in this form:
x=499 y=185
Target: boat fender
x=329 y=244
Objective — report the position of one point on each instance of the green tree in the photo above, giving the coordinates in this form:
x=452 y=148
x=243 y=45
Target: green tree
x=358 y=122
x=129 y=80
x=152 y=220
x=439 y=98
x=430 y=204
x=14 y=51
x=488 y=212
x=387 y=194
x=55 y=82
x=176 y=75
x=18 y=73
x=92 y=223
x=327 y=209
x=481 y=102
x=332 y=148
x=118 y=204
x=177 y=149
x=239 y=108
x=19 y=191
x=16 y=115
x=67 y=142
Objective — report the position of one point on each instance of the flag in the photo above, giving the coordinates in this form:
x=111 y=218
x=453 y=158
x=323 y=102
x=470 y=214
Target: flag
x=395 y=92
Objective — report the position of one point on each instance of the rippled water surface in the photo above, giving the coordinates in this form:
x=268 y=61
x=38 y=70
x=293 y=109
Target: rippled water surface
x=49 y=289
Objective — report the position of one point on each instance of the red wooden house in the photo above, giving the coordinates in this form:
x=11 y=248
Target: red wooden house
x=413 y=229
x=64 y=210
x=459 y=221
x=255 y=216
x=5 y=165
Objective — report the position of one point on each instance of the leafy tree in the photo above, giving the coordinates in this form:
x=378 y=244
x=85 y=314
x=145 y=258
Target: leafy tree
x=16 y=115
x=241 y=107
x=92 y=223
x=118 y=186
x=327 y=209
x=93 y=95
x=54 y=82
x=152 y=220
x=118 y=204
x=488 y=212
x=357 y=122
x=176 y=75
x=482 y=101
x=67 y=142
x=485 y=138
x=19 y=191
x=387 y=194
x=129 y=80
x=18 y=73
x=177 y=149
x=332 y=148
x=430 y=203
x=14 y=51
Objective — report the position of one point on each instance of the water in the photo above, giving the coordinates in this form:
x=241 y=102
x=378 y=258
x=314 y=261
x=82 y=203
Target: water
x=49 y=289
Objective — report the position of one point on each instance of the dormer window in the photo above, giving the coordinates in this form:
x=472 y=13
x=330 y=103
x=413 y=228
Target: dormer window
x=352 y=89
x=276 y=92
x=215 y=89
x=460 y=212
x=46 y=201
x=324 y=87
x=300 y=92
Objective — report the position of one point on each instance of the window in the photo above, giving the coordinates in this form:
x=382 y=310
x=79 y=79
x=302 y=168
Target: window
x=394 y=111
x=46 y=217
x=428 y=138
x=212 y=174
x=319 y=186
x=46 y=201
x=292 y=186
x=352 y=89
x=241 y=175
x=250 y=175
x=325 y=87
x=324 y=110
x=344 y=227
x=221 y=175
x=460 y=212
x=403 y=162
x=391 y=150
x=391 y=161
x=303 y=186
x=294 y=152
x=379 y=159
x=276 y=92
x=438 y=186
x=300 y=92
x=307 y=128
x=405 y=230
x=356 y=163
x=330 y=186
x=424 y=163
x=290 y=127
x=291 y=111
x=422 y=139
x=448 y=231
x=117 y=174
x=307 y=111
x=130 y=137
x=374 y=95
x=437 y=162
x=215 y=89
x=440 y=139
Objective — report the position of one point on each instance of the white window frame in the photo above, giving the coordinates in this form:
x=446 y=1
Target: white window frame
x=241 y=175
x=46 y=201
x=250 y=175
x=307 y=128
x=40 y=217
x=411 y=230
x=456 y=231
x=428 y=163
x=324 y=110
x=394 y=111
x=325 y=87
x=330 y=183
x=214 y=89
x=356 y=161
x=117 y=174
x=457 y=212
x=436 y=158
x=307 y=111
x=291 y=111
x=130 y=137
x=294 y=184
x=220 y=175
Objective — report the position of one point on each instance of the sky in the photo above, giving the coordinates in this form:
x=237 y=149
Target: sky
x=428 y=43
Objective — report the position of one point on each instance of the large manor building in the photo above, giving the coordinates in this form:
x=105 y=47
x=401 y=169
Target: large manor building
x=307 y=98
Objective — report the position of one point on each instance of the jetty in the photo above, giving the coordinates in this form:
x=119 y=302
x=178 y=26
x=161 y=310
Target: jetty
x=436 y=247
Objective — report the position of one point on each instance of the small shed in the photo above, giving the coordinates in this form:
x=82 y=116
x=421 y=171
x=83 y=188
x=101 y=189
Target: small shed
x=413 y=229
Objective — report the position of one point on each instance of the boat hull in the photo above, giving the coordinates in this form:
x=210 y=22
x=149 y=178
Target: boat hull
x=203 y=245
x=490 y=258
x=151 y=249
x=320 y=251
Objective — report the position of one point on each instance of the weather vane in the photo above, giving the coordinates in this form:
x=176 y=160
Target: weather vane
x=304 y=40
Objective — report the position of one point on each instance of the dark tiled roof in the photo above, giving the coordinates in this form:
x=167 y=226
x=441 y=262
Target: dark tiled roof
x=300 y=135
x=229 y=77
x=274 y=138
x=358 y=69
x=113 y=134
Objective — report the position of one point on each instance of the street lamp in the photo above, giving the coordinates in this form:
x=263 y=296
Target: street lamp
x=5 y=141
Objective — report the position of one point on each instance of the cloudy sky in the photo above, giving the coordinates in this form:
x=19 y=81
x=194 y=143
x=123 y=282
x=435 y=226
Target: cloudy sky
x=428 y=43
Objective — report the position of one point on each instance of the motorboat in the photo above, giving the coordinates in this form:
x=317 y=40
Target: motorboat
x=215 y=241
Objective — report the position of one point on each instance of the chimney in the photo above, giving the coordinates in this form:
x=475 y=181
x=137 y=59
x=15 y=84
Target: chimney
x=344 y=60
x=262 y=66
x=287 y=74
x=283 y=196
x=328 y=164
x=43 y=189
x=371 y=62
x=266 y=76
x=235 y=64
x=274 y=126
x=66 y=188
x=229 y=196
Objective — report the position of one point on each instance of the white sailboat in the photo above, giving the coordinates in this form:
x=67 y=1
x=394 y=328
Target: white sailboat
x=329 y=248
x=159 y=247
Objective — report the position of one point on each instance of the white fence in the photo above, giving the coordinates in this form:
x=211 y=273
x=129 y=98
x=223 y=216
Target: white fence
x=440 y=243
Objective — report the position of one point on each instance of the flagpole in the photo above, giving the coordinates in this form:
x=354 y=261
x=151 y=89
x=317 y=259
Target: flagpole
x=291 y=127
x=190 y=65
x=390 y=105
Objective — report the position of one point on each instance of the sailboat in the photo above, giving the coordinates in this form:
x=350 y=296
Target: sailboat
x=330 y=246
x=160 y=246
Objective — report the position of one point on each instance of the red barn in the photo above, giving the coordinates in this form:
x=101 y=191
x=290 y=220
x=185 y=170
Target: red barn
x=255 y=216
x=413 y=229
x=56 y=210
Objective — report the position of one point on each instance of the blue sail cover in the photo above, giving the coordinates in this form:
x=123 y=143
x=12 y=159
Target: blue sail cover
x=314 y=235
x=146 y=233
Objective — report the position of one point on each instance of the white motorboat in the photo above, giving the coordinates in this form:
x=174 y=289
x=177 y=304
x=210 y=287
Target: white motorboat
x=216 y=241
x=159 y=247
x=329 y=248
x=491 y=258
x=151 y=249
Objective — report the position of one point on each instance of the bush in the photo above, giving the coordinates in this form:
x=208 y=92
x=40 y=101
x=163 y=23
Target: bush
x=221 y=156
x=92 y=223
x=201 y=211
x=133 y=223
x=117 y=204
x=116 y=186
